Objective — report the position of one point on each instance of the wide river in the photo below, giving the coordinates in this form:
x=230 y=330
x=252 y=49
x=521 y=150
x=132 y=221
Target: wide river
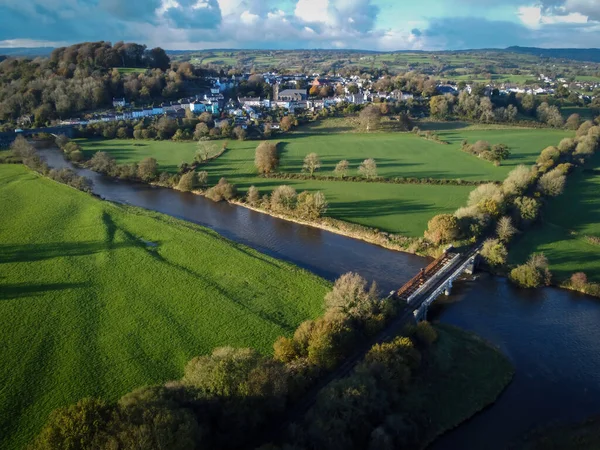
x=551 y=336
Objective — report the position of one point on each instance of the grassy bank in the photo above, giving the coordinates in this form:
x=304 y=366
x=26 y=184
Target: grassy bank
x=570 y=220
x=98 y=299
x=463 y=375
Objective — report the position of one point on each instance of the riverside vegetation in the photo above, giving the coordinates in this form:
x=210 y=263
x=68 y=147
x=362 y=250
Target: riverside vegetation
x=230 y=387
x=73 y=308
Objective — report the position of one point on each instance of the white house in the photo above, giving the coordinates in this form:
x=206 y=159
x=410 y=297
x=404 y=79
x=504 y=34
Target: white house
x=157 y=110
x=197 y=107
x=119 y=102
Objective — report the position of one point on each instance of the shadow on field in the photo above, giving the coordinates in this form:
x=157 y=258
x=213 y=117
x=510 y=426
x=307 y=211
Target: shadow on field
x=374 y=208
x=37 y=252
x=12 y=291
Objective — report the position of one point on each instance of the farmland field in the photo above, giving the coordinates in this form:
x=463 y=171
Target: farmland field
x=131 y=69
x=569 y=221
x=98 y=299
x=404 y=209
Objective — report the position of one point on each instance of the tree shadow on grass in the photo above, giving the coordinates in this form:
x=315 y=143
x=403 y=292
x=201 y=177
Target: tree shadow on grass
x=11 y=253
x=18 y=290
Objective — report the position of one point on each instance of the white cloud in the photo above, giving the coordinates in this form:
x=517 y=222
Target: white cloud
x=248 y=18
x=530 y=15
x=537 y=16
x=30 y=43
x=313 y=11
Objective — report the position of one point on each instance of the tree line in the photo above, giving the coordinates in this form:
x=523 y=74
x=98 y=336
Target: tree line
x=84 y=77
x=513 y=206
x=230 y=398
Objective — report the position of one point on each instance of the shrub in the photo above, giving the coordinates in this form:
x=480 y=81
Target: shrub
x=253 y=196
x=311 y=206
x=147 y=169
x=485 y=192
x=534 y=273
x=579 y=281
x=494 y=252
x=350 y=297
x=528 y=208
x=425 y=334
x=188 y=181
x=222 y=191
x=552 y=183
x=283 y=198
x=517 y=181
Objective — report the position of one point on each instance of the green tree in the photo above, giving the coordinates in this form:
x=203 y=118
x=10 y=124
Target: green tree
x=494 y=252
x=147 y=169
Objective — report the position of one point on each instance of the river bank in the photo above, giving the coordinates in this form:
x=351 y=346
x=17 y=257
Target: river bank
x=550 y=336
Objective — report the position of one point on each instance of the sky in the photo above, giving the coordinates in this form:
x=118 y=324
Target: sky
x=293 y=24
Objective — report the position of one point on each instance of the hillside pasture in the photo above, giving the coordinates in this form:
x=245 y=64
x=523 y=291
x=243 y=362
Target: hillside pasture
x=97 y=299
x=570 y=228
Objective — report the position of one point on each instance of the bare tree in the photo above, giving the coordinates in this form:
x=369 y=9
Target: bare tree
x=311 y=164
x=505 y=229
x=368 y=168
x=341 y=169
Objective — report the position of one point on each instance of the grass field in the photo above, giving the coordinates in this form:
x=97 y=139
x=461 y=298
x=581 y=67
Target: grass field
x=97 y=299
x=131 y=69
x=403 y=209
x=584 y=112
x=568 y=219
x=474 y=375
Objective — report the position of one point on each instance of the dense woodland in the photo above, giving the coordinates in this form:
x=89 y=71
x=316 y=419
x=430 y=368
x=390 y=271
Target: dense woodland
x=85 y=77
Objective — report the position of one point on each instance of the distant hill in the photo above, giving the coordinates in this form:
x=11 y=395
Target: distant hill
x=577 y=54
x=26 y=51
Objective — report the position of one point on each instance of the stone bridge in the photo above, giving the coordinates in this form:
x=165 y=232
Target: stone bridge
x=7 y=138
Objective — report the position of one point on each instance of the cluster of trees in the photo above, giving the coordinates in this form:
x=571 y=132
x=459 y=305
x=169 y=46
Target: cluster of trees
x=24 y=151
x=285 y=200
x=146 y=170
x=515 y=204
x=164 y=128
x=482 y=149
x=534 y=273
x=366 y=409
x=225 y=399
x=84 y=77
x=579 y=282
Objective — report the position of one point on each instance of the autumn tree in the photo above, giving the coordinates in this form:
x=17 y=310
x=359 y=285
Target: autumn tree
x=505 y=229
x=266 y=158
x=370 y=118
x=311 y=163
x=443 y=228
x=368 y=168
x=147 y=169
x=494 y=252
x=341 y=168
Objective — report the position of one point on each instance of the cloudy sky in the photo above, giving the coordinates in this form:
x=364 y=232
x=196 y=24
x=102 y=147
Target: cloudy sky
x=287 y=24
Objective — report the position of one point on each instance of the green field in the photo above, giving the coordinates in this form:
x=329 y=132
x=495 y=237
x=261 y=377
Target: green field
x=131 y=69
x=403 y=209
x=585 y=113
x=98 y=299
x=568 y=219
x=474 y=374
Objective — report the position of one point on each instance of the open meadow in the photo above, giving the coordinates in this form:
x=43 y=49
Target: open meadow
x=570 y=233
x=98 y=299
x=398 y=208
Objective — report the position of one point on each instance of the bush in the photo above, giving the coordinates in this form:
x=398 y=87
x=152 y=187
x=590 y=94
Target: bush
x=494 y=252
x=253 y=196
x=368 y=168
x=188 y=181
x=552 y=183
x=283 y=198
x=311 y=206
x=222 y=191
x=534 y=273
x=518 y=181
x=528 y=208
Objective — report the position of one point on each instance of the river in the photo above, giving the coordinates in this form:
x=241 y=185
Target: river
x=551 y=336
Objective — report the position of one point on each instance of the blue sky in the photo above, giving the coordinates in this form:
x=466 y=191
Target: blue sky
x=287 y=24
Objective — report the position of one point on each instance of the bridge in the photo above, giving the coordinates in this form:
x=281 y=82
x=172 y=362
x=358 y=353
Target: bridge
x=436 y=279
x=418 y=293
x=8 y=137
